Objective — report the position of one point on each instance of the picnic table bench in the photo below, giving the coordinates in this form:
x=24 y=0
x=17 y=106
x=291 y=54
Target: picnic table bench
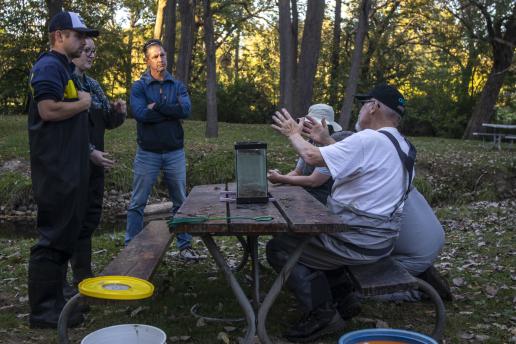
x=140 y=258
x=388 y=276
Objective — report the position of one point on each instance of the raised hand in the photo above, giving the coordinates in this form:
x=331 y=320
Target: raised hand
x=317 y=132
x=285 y=124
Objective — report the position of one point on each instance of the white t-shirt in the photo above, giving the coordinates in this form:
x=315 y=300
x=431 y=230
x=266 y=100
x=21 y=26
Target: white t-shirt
x=367 y=170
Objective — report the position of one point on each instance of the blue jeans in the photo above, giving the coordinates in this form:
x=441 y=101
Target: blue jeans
x=147 y=166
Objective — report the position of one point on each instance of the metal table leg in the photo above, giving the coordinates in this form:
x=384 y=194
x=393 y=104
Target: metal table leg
x=237 y=290
x=253 y=250
x=440 y=316
x=245 y=254
x=62 y=324
x=275 y=290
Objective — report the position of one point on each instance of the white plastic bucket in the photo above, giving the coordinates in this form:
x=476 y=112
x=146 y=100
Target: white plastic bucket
x=126 y=334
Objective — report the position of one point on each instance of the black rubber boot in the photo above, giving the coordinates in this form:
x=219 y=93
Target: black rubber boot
x=343 y=292
x=81 y=267
x=440 y=284
x=81 y=261
x=68 y=290
x=321 y=321
x=348 y=306
x=46 y=292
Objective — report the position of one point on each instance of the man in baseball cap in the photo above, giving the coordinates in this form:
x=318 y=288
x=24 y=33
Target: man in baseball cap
x=59 y=154
x=372 y=172
x=70 y=21
x=386 y=99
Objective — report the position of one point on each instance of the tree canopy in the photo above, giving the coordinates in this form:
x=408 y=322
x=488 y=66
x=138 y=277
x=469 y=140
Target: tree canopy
x=453 y=60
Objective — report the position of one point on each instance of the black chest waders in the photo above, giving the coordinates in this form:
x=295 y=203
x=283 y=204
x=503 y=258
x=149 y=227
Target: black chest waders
x=59 y=157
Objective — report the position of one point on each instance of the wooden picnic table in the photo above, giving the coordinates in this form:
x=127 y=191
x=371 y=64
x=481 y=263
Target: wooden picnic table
x=293 y=210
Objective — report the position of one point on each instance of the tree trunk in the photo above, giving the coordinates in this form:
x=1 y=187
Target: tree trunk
x=374 y=42
x=169 y=36
x=158 y=25
x=310 y=47
x=464 y=90
x=128 y=68
x=295 y=35
x=335 y=49
x=354 y=71
x=503 y=53
x=287 y=63
x=54 y=7
x=187 y=11
x=199 y=67
x=483 y=111
x=212 y=129
x=237 y=57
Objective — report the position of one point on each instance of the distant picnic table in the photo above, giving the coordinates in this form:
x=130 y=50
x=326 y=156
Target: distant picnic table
x=499 y=132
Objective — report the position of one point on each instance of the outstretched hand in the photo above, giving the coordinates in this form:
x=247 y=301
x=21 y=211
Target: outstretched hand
x=317 y=132
x=274 y=176
x=285 y=124
x=99 y=158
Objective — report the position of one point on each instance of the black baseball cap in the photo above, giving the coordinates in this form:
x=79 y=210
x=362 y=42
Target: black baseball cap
x=70 y=21
x=388 y=95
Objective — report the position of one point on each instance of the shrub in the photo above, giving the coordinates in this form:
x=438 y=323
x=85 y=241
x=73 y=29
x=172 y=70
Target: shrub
x=239 y=102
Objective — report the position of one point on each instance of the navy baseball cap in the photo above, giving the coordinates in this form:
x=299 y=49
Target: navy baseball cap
x=70 y=21
x=388 y=95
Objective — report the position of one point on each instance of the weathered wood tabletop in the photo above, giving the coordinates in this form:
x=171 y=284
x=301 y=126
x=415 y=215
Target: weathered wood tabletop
x=292 y=210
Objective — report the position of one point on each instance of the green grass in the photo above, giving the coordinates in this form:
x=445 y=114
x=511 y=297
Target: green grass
x=447 y=170
x=480 y=241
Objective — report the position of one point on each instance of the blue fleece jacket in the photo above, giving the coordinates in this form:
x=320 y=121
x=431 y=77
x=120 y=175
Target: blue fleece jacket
x=159 y=129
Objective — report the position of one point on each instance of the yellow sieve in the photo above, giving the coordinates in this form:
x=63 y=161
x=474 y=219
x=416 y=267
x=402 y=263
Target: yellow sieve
x=116 y=288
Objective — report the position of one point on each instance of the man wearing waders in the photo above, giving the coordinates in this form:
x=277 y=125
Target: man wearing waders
x=370 y=185
x=59 y=156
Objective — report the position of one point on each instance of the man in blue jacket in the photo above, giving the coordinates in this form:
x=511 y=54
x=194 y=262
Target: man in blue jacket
x=159 y=103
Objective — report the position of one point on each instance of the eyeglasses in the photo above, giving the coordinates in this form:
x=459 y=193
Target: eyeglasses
x=90 y=52
x=364 y=102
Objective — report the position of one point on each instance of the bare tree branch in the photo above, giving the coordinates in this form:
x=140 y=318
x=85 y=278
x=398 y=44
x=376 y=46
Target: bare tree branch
x=489 y=23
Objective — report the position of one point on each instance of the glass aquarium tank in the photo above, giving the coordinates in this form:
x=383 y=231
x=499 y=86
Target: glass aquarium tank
x=251 y=172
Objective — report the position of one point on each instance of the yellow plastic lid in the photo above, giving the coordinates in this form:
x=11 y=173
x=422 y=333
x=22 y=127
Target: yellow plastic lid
x=116 y=288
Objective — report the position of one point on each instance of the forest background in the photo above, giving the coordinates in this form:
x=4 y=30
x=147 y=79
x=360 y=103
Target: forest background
x=241 y=60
